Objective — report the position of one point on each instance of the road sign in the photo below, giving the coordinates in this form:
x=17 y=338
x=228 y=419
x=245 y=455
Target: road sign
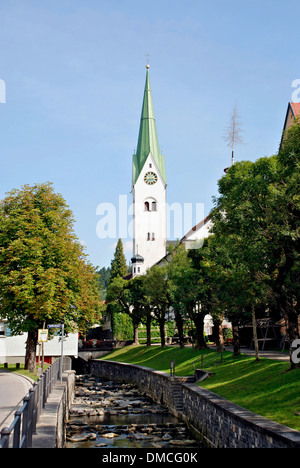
x=60 y=325
x=42 y=335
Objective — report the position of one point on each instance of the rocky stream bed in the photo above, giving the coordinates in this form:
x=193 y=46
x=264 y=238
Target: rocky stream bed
x=112 y=414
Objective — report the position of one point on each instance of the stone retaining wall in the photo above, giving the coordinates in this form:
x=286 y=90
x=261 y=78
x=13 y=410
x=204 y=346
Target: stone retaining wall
x=157 y=385
x=218 y=422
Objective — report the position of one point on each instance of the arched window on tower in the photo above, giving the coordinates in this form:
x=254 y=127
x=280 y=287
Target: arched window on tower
x=150 y=204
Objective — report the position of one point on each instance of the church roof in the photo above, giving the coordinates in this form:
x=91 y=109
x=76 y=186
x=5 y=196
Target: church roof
x=148 y=140
x=292 y=113
x=295 y=108
x=196 y=228
x=137 y=259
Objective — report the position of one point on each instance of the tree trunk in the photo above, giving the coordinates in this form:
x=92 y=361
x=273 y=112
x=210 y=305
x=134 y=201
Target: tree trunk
x=30 y=356
x=162 y=331
x=135 y=334
x=218 y=334
x=148 y=328
x=179 y=324
x=236 y=339
x=255 y=333
x=198 y=320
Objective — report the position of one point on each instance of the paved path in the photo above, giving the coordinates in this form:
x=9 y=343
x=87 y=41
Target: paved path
x=13 y=388
x=277 y=355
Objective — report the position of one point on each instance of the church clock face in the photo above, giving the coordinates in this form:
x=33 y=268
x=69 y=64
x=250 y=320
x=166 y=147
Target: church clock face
x=150 y=178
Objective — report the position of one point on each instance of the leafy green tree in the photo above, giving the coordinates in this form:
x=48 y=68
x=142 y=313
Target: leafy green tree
x=192 y=289
x=226 y=284
x=177 y=268
x=257 y=217
x=213 y=266
x=44 y=275
x=139 y=309
x=157 y=293
x=117 y=297
x=185 y=294
x=239 y=223
x=104 y=277
x=118 y=263
x=283 y=220
x=202 y=285
x=118 y=269
x=129 y=297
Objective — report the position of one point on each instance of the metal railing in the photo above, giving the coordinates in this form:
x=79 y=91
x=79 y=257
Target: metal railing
x=19 y=433
x=205 y=356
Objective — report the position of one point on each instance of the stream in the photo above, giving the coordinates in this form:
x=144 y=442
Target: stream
x=112 y=414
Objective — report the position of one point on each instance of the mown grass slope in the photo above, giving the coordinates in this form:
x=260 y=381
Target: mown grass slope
x=265 y=387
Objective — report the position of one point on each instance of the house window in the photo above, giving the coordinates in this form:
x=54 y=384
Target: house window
x=147 y=206
x=148 y=236
x=139 y=270
x=153 y=236
x=150 y=165
x=154 y=206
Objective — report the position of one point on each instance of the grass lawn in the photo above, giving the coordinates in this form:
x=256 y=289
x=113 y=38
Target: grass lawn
x=262 y=386
x=22 y=371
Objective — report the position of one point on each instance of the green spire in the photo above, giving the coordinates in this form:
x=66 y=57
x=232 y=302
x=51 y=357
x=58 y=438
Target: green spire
x=148 y=141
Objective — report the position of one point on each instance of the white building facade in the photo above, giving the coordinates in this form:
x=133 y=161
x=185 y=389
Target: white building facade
x=13 y=348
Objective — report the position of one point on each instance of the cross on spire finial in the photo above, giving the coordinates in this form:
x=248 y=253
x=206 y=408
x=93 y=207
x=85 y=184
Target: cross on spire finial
x=147 y=66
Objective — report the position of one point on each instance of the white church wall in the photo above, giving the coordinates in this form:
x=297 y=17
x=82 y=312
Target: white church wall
x=149 y=226
x=195 y=237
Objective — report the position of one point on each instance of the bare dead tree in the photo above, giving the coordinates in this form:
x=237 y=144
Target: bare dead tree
x=233 y=132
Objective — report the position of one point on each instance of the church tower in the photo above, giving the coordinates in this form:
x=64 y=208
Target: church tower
x=149 y=192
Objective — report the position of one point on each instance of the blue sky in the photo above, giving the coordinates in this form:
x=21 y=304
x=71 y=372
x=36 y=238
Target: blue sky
x=74 y=72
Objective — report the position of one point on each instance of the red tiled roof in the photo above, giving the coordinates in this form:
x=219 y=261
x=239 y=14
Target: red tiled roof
x=296 y=108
